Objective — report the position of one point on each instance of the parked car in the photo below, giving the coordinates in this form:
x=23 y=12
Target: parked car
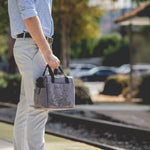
x=124 y=69
x=138 y=69
x=75 y=69
x=97 y=74
x=141 y=69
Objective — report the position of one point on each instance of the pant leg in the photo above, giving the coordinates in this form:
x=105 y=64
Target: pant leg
x=31 y=64
x=20 y=122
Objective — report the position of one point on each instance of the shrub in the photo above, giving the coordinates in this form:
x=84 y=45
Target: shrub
x=82 y=95
x=144 y=89
x=10 y=89
x=113 y=49
x=126 y=92
x=118 y=84
x=114 y=85
x=3 y=81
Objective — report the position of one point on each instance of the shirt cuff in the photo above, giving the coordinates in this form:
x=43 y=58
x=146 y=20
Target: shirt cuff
x=28 y=13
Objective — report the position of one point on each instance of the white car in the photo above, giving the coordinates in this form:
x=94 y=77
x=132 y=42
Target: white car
x=76 y=69
x=138 y=69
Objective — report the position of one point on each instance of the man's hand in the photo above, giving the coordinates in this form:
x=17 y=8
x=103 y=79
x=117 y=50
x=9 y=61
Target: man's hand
x=51 y=60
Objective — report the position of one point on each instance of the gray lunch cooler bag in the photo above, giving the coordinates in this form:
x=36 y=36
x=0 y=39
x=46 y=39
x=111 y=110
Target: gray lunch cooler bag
x=54 y=92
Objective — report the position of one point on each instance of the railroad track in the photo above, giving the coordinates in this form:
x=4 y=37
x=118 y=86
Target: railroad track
x=100 y=123
x=100 y=133
x=104 y=129
x=96 y=144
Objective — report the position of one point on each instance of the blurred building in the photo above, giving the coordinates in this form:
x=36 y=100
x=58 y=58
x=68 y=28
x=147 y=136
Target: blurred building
x=139 y=36
x=111 y=4
x=113 y=10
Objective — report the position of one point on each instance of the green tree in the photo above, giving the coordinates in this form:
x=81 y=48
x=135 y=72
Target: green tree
x=3 y=16
x=139 y=1
x=113 y=49
x=84 y=48
x=7 y=42
x=74 y=21
x=3 y=26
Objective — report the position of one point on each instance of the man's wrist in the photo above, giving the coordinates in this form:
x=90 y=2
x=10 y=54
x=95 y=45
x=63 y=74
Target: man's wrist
x=48 y=52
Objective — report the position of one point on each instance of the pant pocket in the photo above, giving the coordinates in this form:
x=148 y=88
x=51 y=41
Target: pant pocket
x=25 y=49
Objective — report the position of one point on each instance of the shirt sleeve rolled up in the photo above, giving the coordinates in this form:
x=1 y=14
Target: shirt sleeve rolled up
x=27 y=8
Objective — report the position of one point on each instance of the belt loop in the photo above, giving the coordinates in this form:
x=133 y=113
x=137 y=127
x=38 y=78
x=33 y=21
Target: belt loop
x=24 y=34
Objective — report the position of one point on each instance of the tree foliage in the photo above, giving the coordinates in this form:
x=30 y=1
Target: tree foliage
x=4 y=24
x=82 y=20
x=84 y=48
x=74 y=21
x=3 y=45
x=139 y=1
x=113 y=50
x=4 y=20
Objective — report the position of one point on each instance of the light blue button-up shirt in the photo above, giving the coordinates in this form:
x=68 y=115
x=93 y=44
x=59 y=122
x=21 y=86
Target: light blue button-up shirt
x=23 y=9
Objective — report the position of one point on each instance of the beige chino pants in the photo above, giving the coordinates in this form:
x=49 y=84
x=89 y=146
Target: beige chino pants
x=29 y=126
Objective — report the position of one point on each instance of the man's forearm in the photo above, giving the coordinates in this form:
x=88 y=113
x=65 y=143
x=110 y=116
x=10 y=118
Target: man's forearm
x=34 y=28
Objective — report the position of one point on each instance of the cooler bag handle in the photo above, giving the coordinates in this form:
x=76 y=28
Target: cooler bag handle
x=52 y=74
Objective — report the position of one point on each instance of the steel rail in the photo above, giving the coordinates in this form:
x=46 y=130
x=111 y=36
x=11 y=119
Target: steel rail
x=100 y=123
x=92 y=143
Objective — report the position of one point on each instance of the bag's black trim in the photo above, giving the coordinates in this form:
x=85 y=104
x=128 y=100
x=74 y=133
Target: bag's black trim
x=52 y=74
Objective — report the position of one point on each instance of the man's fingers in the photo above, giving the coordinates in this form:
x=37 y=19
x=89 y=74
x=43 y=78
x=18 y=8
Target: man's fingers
x=53 y=62
x=58 y=62
x=53 y=70
x=57 y=65
x=54 y=66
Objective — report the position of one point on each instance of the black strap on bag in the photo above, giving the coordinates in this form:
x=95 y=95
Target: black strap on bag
x=52 y=74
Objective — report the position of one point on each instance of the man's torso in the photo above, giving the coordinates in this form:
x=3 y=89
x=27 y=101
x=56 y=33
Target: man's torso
x=43 y=10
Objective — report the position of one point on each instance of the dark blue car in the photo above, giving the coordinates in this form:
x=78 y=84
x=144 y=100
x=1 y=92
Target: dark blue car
x=97 y=74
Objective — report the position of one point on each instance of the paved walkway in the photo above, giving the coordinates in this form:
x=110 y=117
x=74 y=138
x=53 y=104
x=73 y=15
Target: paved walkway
x=5 y=145
x=52 y=142
x=95 y=87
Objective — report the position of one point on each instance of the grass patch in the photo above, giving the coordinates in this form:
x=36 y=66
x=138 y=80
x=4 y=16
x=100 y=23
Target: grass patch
x=52 y=142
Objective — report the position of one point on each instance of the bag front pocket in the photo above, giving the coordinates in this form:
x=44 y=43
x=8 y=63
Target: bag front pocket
x=60 y=95
x=40 y=97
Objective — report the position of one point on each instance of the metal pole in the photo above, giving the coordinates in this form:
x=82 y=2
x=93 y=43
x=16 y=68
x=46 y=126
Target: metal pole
x=131 y=61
